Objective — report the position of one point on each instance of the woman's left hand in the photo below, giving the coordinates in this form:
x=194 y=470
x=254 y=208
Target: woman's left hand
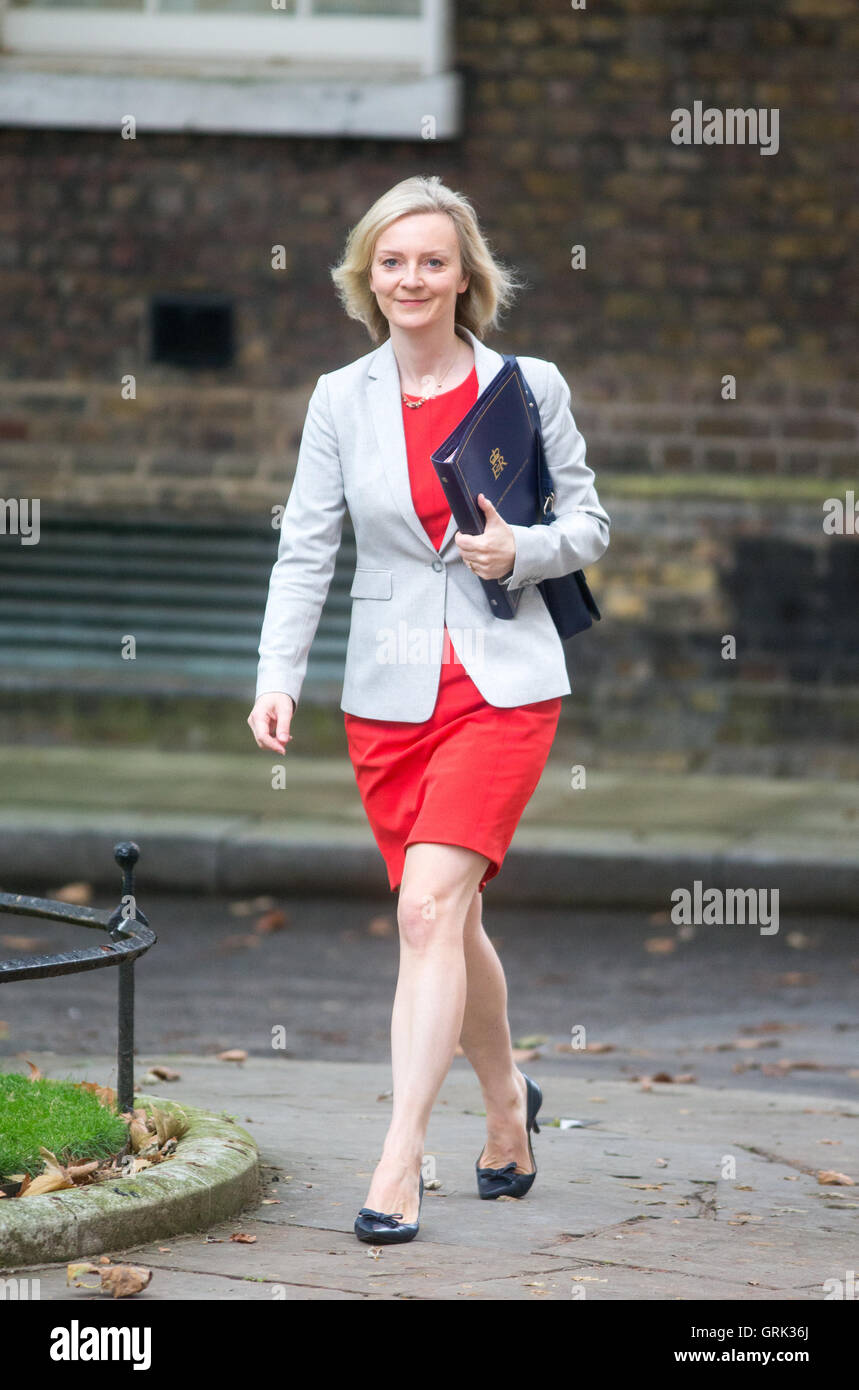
x=492 y=554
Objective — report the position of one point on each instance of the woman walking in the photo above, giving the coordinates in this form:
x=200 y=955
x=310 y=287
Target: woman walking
x=450 y=712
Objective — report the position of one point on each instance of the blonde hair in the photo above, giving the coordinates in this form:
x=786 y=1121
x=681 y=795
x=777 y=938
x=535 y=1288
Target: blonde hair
x=491 y=286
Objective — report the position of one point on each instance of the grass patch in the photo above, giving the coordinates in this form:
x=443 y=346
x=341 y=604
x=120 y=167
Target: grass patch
x=58 y=1115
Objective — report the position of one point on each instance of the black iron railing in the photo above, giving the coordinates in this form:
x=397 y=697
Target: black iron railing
x=129 y=935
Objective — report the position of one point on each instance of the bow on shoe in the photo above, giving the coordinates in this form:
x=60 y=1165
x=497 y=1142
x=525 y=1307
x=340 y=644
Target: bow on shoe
x=508 y=1171
x=382 y=1217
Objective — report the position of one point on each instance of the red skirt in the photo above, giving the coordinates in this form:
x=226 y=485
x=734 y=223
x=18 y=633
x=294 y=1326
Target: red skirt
x=462 y=777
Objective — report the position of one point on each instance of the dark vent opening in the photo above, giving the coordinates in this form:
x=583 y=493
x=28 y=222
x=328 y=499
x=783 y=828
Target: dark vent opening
x=192 y=330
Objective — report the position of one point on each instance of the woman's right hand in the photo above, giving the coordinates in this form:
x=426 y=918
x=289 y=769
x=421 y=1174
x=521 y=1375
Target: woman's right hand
x=270 y=719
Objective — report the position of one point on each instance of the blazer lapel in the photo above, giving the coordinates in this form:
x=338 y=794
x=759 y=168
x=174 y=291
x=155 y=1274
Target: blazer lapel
x=386 y=409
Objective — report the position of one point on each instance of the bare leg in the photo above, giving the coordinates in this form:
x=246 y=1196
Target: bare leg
x=438 y=884
x=487 y=1045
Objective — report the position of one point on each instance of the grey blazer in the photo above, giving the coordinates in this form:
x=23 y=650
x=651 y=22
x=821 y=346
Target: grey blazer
x=353 y=454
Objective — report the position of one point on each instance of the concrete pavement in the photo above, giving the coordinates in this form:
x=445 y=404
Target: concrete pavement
x=678 y=1192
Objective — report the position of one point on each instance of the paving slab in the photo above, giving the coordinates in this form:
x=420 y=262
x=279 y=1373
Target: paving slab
x=632 y=1205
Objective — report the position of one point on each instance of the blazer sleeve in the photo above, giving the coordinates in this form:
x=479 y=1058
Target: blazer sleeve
x=310 y=534
x=579 y=535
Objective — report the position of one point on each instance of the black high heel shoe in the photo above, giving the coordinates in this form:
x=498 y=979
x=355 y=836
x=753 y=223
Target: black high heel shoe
x=506 y=1182
x=379 y=1228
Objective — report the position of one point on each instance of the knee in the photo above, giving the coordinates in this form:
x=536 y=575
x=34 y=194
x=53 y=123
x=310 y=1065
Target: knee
x=427 y=919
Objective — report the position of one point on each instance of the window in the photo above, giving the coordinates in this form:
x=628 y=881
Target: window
x=405 y=36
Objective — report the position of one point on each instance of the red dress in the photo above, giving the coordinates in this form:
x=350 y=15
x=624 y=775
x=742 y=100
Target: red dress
x=465 y=775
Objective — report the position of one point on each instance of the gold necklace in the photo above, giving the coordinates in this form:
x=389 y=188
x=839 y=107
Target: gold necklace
x=413 y=405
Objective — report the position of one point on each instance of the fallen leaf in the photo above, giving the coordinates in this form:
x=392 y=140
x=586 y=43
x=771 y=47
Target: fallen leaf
x=75 y=1274
x=241 y=1239
x=165 y=1073
x=105 y=1094
x=35 y=1074
x=82 y=1170
x=46 y=1182
x=660 y=945
x=139 y=1135
x=800 y=940
x=234 y=1054
x=380 y=926
x=124 y=1280
x=599 y=1047
x=169 y=1124
x=247 y=909
x=771 y=1026
x=53 y=1179
x=74 y=893
x=829 y=1178
x=276 y=920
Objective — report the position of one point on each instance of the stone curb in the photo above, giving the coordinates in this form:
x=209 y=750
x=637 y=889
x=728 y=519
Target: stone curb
x=187 y=855
x=214 y=1174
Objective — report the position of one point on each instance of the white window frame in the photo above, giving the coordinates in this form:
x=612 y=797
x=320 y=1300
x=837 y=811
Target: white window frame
x=420 y=44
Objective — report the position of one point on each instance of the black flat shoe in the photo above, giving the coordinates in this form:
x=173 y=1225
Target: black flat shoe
x=378 y=1228
x=506 y=1182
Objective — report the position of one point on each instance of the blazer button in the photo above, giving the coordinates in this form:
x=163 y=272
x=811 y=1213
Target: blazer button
x=438 y=565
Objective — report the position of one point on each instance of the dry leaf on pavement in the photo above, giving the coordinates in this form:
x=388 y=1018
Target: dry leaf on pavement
x=124 y=1280
x=80 y=893
x=660 y=945
x=276 y=920
x=380 y=926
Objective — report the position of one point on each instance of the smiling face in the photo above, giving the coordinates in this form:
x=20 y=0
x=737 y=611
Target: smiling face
x=416 y=271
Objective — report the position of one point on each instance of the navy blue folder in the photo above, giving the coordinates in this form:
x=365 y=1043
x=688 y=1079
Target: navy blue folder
x=497 y=449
